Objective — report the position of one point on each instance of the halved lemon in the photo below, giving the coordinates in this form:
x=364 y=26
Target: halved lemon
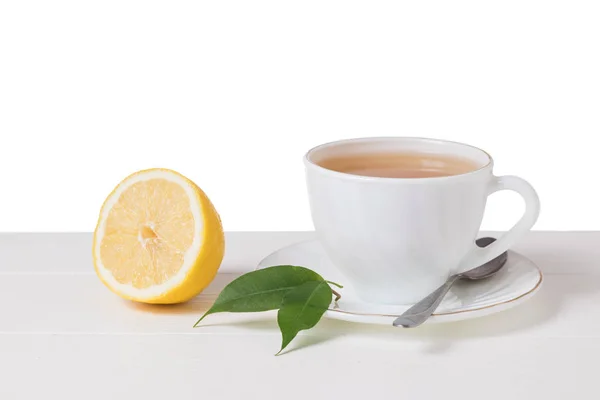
x=159 y=239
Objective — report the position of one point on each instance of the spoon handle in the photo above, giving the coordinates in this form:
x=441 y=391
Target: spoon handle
x=422 y=310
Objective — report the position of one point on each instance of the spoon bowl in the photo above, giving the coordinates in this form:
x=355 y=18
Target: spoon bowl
x=489 y=268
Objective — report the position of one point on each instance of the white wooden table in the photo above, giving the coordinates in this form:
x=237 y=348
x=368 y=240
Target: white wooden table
x=64 y=335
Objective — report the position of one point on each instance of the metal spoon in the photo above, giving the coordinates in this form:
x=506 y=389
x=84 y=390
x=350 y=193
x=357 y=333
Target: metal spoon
x=419 y=313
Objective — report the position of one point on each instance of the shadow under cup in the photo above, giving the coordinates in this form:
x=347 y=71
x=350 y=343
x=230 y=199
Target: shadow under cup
x=396 y=239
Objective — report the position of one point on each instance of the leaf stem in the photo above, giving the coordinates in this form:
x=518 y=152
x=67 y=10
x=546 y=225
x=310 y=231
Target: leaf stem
x=337 y=295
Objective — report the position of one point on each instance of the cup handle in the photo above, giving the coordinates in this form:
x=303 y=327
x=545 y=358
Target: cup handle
x=479 y=255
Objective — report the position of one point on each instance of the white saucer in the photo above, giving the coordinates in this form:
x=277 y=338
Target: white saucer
x=518 y=281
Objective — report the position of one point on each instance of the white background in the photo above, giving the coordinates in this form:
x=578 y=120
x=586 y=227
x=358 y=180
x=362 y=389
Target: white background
x=232 y=93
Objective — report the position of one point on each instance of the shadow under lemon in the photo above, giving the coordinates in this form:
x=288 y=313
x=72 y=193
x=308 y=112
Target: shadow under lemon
x=196 y=306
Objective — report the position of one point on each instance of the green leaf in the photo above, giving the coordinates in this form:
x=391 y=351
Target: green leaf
x=302 y=308
x=261 y=290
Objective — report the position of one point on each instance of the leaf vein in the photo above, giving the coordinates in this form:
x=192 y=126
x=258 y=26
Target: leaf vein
x=258 y=293
x=312 y=294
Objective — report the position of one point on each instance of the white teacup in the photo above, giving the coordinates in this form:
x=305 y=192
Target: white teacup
x=398 y=239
